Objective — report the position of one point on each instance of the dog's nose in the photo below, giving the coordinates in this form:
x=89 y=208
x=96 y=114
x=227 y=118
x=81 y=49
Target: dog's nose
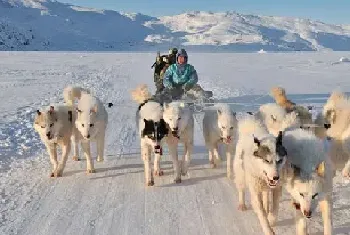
x=175 y=129
x=88 y=136
x=276 y=178
x=48 y=134
x=327 y=126
x=307 y=213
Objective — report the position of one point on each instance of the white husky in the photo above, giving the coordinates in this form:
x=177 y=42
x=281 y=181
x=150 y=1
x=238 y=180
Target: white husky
x=55 y=126
x=180 y=120
x=259 y=158
x=220 y=126
x=91 y=123
x=152 y=129
x=308 y=177
x=336 y=115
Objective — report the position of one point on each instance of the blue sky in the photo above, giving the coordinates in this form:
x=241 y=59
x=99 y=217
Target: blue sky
x=332 y=11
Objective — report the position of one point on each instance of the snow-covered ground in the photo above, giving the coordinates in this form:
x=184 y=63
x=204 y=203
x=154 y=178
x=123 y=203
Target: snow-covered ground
x=115 y=199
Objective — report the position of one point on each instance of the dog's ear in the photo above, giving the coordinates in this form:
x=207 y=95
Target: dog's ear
x=256 y=141
x=52 y=110
x=94 y=109
x=296 y=170
x=273 y=118
x=320 y=169
x=38 y=112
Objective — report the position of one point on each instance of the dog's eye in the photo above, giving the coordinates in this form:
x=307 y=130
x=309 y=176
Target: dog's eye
x=223 y=127
x=315 y=195
x=301 y=194
x=231 y=128
x=267 y=161
x=82 y=125
x=280 y=161
x=43 y=127
x=179 y=118
x=92 y=125
x=51 y=125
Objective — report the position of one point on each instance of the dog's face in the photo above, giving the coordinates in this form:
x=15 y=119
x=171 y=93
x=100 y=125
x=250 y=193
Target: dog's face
x=85 y=122
x=46 y=124
x=227 y=124
x=307 y=191
x=175 y=117
x=271 y=155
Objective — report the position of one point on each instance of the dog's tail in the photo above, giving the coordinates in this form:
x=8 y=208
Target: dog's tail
x=251 y=126
x=141 y=94
x=279 y=95
x=335 y=99
x=70 y=93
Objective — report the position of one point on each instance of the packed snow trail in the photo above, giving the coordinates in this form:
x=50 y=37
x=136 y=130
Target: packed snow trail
x=115 y=200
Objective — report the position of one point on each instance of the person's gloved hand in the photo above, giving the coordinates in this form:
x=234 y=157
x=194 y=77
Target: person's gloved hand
x=187 y=87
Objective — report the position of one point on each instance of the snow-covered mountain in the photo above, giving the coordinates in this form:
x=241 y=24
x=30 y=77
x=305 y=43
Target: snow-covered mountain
x=51 y=25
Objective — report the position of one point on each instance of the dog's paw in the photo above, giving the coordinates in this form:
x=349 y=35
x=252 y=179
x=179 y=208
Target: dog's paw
x=76 y=158
x=177 y=181
x=158 y=173
x=150 y=183
x=272 y=219
x=100 y=159
x=242 y=207
x=90 y=171
x=212 y=164
x=57 y=174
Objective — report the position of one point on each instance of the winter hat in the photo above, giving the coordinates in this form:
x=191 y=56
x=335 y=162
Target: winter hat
x=182 y=52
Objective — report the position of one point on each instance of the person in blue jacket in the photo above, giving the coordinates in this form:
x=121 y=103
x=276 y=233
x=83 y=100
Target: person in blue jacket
x=181 y=76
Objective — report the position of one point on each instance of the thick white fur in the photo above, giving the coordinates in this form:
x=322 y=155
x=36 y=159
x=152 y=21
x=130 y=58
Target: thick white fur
x=336 y=113
x=220 y=126
x=149 y=111
x=314 y=177
x=91 y=124
x=254 y=172
x=60 y=134
x=180 y=119
x=70 y=93
x=276 y=118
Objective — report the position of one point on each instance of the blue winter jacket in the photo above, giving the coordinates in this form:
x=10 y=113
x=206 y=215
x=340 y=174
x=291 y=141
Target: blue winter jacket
x=180 y=75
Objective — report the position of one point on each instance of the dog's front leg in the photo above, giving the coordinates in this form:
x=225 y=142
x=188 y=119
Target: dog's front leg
x=301 y=223
x=174 y=156
x=186 y=160
x=211 y=156
x=157 y=170
x=326 y=207
x=146 y=157
x=229 y=152
x=75 y=141
x=273 y=212
x=101 y=146
x=257 y=205
x=89 y=163
x=52 y=150
x=239 y=179
x=66 y=146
